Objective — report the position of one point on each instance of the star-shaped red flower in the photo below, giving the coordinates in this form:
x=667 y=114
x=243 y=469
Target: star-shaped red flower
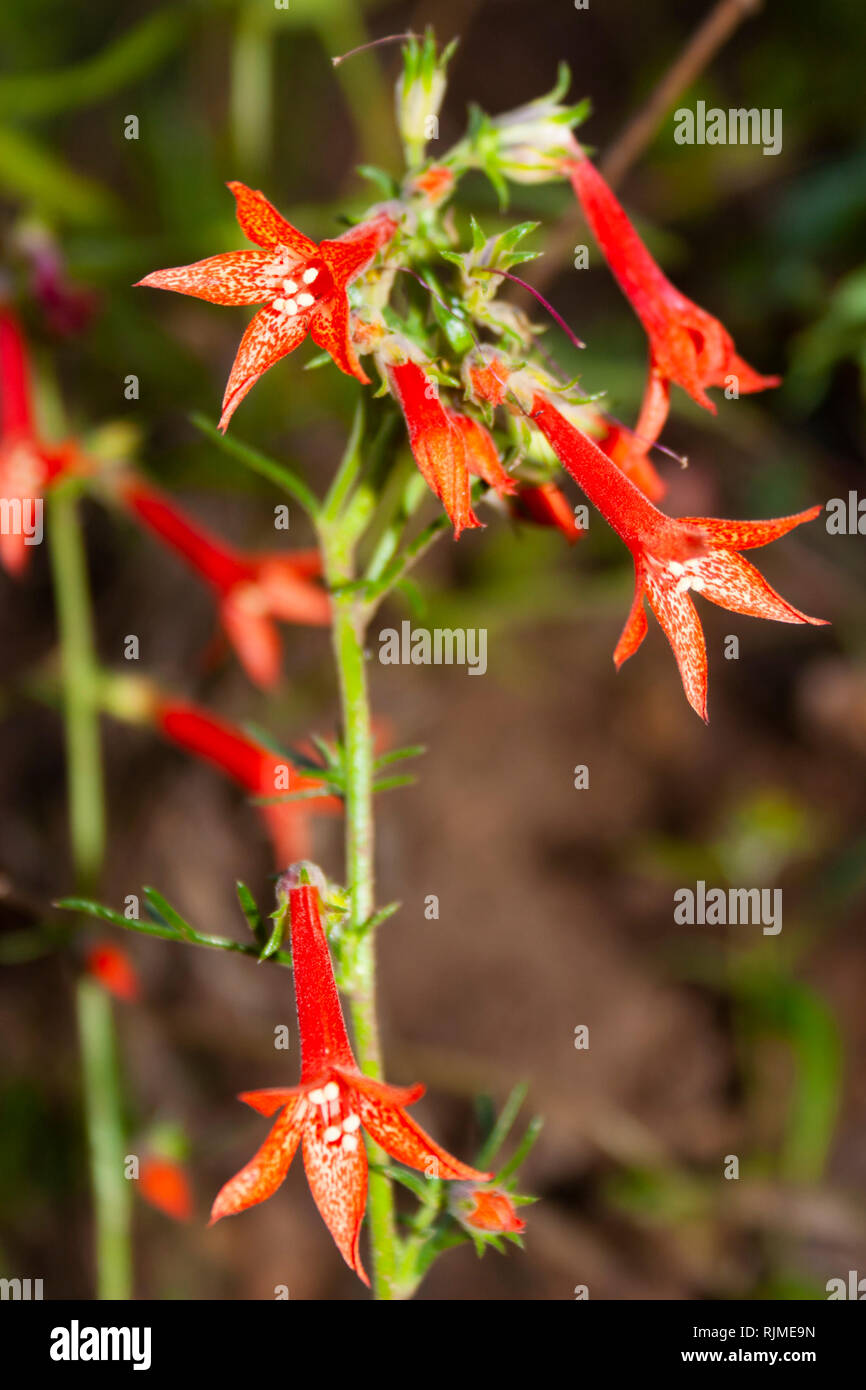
x=673 y=555
x=327 y=1111
x=252 y=590
x=301 y=284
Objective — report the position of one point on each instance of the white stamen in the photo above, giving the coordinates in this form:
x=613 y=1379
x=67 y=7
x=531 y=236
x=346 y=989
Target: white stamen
x=675 y=567
x=279 y=304
x=290 y=286
x=291 y=306
x=331 y=1091
x=305 y=300
x=332 y=1134
x=351 y=1122
x=310 y=275
x=317 y=1097
x=350 y=1142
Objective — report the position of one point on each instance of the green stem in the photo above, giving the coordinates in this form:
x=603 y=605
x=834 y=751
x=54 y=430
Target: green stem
x=102 y=1097
x=348 y=639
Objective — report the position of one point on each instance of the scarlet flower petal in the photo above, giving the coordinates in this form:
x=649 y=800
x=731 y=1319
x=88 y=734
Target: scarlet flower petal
x=635 y=629
x=380 y=1090
x=436 y=442
x=679 y=620
x=290 y=595
x=350 y=254
x=329 y=330
x=482 y=456
x=235 y=277
x=338 y=1182
x=269 y=336
x=269 y=1101
x=747 y=535
x=260 y=221
x=731 y=582
x=395 y=1132
x=260 y=1178
x=16 y=410
x=253 y=635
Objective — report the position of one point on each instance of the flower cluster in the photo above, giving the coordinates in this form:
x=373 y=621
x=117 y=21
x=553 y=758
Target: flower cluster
x=451 y=351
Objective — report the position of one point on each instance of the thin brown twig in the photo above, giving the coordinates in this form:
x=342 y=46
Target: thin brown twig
x=711 y=34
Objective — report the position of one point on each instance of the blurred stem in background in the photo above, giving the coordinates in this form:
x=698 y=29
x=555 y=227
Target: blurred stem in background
x=99 y=1066
x=254 y=104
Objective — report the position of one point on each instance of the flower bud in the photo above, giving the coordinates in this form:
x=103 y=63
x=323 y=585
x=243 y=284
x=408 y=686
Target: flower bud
x=419 y=94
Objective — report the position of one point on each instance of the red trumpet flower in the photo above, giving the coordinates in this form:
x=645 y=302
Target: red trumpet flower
x=543 y=504
x=302 y=286
x=253 y=767
x=672 y=556
x=252 y=590
x=482 y=456
x=326 y=1112
x=437 y=442
x=27 y=465
x=687 y=345
x=112 y=968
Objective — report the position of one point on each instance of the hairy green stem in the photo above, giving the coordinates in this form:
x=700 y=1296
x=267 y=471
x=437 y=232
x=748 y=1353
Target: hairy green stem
x=102 y=1094
x=348 y=638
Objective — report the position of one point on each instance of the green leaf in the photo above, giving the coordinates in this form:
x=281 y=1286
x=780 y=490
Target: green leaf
x=168 y=914
x=269 y=468
x=250 y=909
x=29 y=171
x=29 y=95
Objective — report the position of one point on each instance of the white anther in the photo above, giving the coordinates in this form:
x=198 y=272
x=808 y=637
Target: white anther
x=279 y=304
x=290 y=286
x=305 y=300
x=317 y=1097
x=675 y=567
x=291 y=306
x=331 y=1091
x=351 y=1123
x=332 y=1134
x=349 y=1142
x=310 y=275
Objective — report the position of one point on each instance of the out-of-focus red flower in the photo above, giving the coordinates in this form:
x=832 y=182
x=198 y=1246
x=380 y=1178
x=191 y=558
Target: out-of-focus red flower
x=27 y=465
x=672 y=556
x=482 y=456
x=435 y=183
x=113 y=969
x=437 y=444
x=302 y=286
x=252 y=590
x=544 y=504
x=327 y=1111
x=486 y=1209
x=163 y=1183
x=687 y=345
x=255 y=768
